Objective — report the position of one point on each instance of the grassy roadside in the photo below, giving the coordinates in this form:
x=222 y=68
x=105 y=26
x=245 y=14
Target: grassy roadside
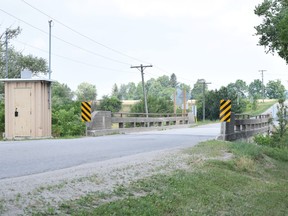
x=261 y=107
x=221 y=178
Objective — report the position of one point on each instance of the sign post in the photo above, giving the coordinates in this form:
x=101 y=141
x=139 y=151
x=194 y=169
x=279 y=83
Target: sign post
x=86 y=113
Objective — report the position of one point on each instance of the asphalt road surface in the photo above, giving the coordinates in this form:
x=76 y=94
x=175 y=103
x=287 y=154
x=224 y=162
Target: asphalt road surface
x=21 y=158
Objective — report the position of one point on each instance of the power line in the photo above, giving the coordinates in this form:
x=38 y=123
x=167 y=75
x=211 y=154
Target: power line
x=69 y=59
x=81 y=34
x=64 y=41
x=94 y=41
x=78 y=47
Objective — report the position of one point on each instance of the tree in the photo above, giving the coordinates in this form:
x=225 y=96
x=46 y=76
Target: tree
x=173 y=81
x=212 y=101
x=275 y=89
x=86 y=92
x=115 y=91
x=123 y=92
x=61 y=94
x=131 y=93
x=139 y=91
x=273 y=31
x=17 y=61
x=255 y=89
x=164 y=81
x=159 y=87
x=197 y=90
x=155 y=105
x=112 y=104
x=239 y=88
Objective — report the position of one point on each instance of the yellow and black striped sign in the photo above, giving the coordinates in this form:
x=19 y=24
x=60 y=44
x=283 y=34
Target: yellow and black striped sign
x=86 y=111
x=225 y=110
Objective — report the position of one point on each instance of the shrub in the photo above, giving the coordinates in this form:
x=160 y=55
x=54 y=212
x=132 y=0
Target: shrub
x=261 y=139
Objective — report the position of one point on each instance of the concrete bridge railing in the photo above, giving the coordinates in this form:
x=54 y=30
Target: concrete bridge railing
x=105 y=122
x=244 y=126
x=133 y=120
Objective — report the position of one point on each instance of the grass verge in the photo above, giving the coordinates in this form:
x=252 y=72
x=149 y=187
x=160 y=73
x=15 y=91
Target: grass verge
x=252 y=182
x=261 y=108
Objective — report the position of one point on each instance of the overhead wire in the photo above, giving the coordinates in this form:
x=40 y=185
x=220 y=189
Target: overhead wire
x=89 y=38
x=68 y=58
x=64 y=41
x=83 y=35
x=94 y=41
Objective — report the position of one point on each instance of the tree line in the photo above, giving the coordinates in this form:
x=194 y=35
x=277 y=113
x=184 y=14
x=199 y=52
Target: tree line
x=272 y=34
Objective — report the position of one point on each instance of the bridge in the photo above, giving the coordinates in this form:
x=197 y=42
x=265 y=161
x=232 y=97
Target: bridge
x=242 y=126
x=105 y=122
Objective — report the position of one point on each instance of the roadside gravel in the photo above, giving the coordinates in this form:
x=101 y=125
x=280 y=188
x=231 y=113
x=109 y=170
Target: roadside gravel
x=19 y=195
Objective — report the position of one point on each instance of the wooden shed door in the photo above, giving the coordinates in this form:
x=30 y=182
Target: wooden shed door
x=22 y=123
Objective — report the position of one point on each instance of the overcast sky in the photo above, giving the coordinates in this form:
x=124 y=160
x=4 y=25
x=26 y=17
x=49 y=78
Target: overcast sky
x=97 y=41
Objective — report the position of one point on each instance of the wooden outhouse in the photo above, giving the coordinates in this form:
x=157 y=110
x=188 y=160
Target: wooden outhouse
x=27 y=108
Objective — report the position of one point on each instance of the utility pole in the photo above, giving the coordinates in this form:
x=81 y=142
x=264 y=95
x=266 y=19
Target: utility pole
x=50 y=22
x=175 y=102
x=263 y=91
x=204 y=87
x=142 y=68
x=6 y=54
x=184 y=101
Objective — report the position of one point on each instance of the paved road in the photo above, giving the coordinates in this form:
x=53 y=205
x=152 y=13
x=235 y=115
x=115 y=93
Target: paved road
x=20 y=158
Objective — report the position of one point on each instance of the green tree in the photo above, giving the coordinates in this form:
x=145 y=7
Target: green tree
x=153 y=88
x=212 y=103
x=275 y=89
x=255 y=89
x=131 y=92
x=123 y=92
x=273 y=31
x=155 y=105
x=139 y=91
x=86 y=92
x=112 y=104
x=17 y=61
x=239 y=88
x=173 y=81
x=197 y=90
x=61 y=94
x=164 y=81
x=115 y=91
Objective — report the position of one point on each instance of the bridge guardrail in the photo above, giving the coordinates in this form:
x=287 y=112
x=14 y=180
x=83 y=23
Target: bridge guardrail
x=105 y=122
x=243 y=126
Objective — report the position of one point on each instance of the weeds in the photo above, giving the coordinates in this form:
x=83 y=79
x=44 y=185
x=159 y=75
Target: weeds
x=253 y=182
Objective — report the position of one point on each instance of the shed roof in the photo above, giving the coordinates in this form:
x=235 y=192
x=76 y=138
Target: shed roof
x=27 y=80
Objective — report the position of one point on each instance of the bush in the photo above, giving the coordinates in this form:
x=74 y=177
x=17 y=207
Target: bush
x=261 y=139
x=66 y=121
x=112 y=104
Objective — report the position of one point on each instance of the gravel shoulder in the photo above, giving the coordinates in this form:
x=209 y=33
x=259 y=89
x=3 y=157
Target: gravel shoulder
x=19 y=195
